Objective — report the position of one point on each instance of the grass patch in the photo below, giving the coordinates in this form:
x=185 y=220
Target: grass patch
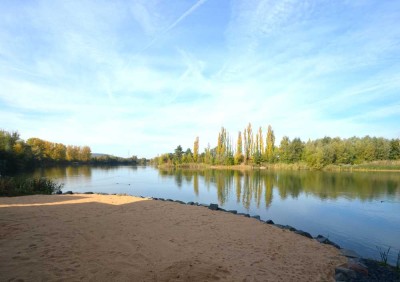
x=379 y=165
x=20 y=186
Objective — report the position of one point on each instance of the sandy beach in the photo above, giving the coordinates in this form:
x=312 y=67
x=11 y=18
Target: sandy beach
x=122 y=238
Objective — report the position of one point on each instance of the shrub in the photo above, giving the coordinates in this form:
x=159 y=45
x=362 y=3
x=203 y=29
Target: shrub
x=19 y=186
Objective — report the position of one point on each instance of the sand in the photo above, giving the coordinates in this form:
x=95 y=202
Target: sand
x=122 y=238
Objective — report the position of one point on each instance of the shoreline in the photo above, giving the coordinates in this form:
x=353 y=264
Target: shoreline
x=153 y=240
x=278 y=167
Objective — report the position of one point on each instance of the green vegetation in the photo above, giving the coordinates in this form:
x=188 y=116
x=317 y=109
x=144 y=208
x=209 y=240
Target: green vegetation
x=369 y=153
x=16 y=155
x=113 y=160
x=20 y=186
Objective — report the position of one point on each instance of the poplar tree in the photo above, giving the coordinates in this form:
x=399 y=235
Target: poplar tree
x=248 y=142
x=239 y=149
x=196 y=150
x=270 y=145
x=222 y=146
x=261 y=140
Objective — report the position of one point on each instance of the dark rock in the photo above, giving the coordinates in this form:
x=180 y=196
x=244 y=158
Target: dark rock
x=89 y=193
x=155 y=199
x=349 y=253
x=269 y=221
x=68 y=193
x=203 y=205
x=221 y=209
x=180 y=202
x=340 y=277
x=344 y=274
x=213 y=207
x=376 y=272
x=303 y=233
x=161 y=199
x=58 y=193
x=325 y=240
x=256 y=217
x=280 y=226
x=291 y=228
x=233 y=211
x=169 y=200
x=190 y=203
x=357 y=267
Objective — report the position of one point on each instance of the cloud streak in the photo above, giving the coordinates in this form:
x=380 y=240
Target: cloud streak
x=72 y=73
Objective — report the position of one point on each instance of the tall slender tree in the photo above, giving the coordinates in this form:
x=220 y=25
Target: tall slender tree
x=196 y=150
x=260 y=140
x=270 y=145
x=239 y=150
x=248 y=143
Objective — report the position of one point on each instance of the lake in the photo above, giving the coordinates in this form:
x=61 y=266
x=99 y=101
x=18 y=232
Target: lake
x=357 y=210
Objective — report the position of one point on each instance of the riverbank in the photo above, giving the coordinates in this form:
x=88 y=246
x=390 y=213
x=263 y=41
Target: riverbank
x=384 y=166
x=98 y=237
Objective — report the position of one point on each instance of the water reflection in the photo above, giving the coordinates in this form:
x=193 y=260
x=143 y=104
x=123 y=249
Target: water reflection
x=83 y=172
x=251 y=186
x=357 y=210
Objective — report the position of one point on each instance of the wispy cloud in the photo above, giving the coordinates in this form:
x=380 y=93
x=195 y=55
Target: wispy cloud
x=73 y=72
x=187 y=13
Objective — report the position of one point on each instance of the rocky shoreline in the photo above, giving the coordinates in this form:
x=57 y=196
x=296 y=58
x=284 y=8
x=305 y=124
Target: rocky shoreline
x=356 y=269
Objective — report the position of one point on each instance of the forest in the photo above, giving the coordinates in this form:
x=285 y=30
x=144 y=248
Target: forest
x=251 y=148
x=17 y=155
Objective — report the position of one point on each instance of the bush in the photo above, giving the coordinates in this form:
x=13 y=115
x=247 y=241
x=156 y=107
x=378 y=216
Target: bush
x=19 y=186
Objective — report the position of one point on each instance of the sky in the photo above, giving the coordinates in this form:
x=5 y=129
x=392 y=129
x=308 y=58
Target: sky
x=141 y=77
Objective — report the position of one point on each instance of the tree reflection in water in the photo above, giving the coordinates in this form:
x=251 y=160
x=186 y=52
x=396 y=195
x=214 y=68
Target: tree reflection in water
x=252 y=185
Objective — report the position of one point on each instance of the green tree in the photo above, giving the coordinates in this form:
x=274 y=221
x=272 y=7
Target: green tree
x=270 y=145
x=178 y=155
x=394 y=153
x=284 y=150
x=296 y=150
x=187 y=156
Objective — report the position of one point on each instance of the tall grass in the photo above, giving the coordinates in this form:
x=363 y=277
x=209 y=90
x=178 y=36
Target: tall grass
x=19 y=186
x=384 y=255
x=379 y=165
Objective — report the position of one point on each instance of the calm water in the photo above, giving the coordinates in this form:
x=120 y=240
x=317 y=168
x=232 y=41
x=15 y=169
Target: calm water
x=359 y=210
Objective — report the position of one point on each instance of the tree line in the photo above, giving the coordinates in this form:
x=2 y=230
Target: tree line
x=253 y=148
x=17 y=155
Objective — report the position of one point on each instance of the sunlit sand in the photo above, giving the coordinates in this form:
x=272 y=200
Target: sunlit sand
x=122 y=238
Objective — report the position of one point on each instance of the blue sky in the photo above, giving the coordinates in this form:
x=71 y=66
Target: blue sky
x=141 y=77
